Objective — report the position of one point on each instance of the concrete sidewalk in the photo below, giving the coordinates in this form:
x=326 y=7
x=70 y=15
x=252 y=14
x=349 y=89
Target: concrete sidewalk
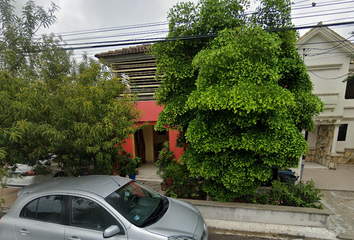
x=341 y=179
x=338 y=189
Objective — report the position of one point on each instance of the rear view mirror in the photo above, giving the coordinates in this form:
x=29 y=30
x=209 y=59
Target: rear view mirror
x=111 y=231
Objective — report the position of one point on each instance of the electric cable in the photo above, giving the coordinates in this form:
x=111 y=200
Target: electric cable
x=164 y=39
x=325 y=14
x=322 y=11
x=154 y=24
x=321 y=5
x=109 y=29
x=334 y=78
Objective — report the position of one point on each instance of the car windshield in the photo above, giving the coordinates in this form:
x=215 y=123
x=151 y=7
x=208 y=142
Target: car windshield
x=138 y=204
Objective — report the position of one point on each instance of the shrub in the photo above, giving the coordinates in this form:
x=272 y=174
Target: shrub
x=3 y=172
x=298 y=195
x=164 y=161
x=183 y=186
x=126 y=164
x=287 y=194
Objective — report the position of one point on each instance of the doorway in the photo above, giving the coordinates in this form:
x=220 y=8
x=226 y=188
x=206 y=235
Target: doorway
x=148 y=143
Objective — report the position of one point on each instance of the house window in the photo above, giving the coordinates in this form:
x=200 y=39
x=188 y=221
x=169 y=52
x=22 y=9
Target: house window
x=349 y=92
x=342 y=133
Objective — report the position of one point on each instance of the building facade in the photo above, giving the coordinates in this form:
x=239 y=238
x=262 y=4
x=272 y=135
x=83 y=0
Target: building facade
x=137 y=70
x=329 y=60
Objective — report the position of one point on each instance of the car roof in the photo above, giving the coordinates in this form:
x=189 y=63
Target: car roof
x=101 y=185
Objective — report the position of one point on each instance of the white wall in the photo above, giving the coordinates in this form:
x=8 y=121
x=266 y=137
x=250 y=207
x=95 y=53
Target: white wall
x=328 y=65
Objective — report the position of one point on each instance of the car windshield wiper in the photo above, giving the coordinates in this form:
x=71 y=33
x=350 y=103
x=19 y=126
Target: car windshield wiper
x=157 y=214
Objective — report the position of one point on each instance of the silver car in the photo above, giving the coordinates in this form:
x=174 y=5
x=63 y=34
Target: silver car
x=99 y=207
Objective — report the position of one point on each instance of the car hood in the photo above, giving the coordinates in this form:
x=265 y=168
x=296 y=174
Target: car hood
x=181 y=218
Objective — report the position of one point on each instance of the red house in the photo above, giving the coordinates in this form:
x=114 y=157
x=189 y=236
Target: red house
x=137 y=69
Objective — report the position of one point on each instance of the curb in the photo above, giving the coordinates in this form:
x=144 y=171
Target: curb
x=257 y=235
x=271 y=229
x=266 y=219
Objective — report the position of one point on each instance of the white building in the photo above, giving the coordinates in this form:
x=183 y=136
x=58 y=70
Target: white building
x=329 y=60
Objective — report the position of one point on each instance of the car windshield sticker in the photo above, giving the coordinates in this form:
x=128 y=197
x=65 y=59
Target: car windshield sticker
x=137 y=217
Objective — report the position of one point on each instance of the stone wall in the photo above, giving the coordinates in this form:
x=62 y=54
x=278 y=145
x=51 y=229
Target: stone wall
x=346 y=157
x=311 y=155
x=322 y=153
x=324 y=144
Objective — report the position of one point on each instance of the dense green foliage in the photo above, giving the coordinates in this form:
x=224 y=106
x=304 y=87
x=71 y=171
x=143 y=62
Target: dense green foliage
x=50 y=104
x=288 y=194
x=282 y=191
x=183 y=185
x=164 y=160
x=240 y=100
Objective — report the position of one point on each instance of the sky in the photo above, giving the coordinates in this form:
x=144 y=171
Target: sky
x=82 y=15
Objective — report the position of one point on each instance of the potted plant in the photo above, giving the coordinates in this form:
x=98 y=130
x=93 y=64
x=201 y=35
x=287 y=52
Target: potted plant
x=132 y=166
x=126 y=164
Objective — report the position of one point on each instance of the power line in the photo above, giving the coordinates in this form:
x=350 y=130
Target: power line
x=121 y=35
x=322 y=11
x=332 y=20
x=154 y=40
x=312 y=43
x=321 y=5
x=334 y=78
x=98 y=30
x=154 y=24
x=324 y=14
x=301 y=1
x=329 y=50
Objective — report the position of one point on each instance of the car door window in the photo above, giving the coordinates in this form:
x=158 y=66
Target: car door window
x=30 y=210
x=86 y=213
x=46 y=209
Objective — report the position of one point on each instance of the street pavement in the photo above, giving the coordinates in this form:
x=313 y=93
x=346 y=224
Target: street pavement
x=338 y=196
x=337 y=187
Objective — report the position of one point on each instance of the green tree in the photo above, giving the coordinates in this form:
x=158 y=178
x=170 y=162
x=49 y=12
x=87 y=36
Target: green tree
x=241 y=100
x=50 y=104
x=19 y=44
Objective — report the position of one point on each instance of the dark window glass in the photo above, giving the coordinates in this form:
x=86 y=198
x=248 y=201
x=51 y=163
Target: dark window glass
x=29 y=211
x=46 y=209
x=342 y=133
x=49 y=208
x=349 y=92
x=86 y=213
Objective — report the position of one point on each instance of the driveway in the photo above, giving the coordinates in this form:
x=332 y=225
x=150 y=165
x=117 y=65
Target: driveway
x=9 y=195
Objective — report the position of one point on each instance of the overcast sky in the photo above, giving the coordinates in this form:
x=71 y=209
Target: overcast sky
x=75 y=15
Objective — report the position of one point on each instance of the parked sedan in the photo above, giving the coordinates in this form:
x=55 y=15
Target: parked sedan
x=99 y=207
x=22 y=175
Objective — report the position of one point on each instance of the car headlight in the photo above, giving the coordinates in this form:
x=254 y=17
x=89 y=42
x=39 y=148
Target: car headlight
x=180 y=238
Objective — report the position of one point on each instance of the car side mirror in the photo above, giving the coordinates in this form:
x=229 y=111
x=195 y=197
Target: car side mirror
x=112 y=231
